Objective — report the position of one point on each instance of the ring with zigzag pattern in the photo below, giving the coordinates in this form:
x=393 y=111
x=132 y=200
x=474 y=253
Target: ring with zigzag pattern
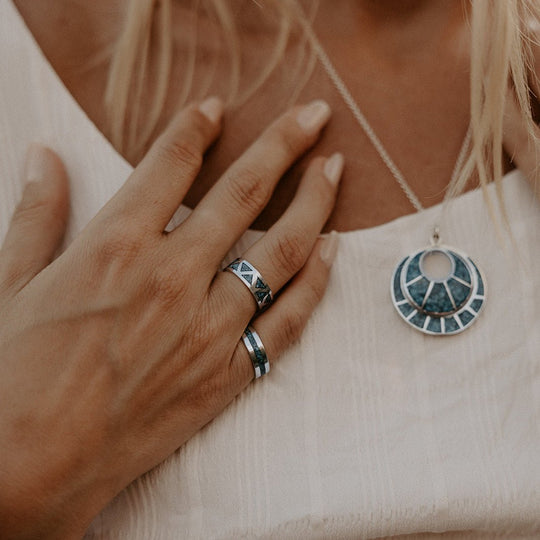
x=253 y=280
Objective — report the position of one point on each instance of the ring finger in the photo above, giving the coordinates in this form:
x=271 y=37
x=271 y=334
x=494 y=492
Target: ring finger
x=282 y=325
x=284 y=249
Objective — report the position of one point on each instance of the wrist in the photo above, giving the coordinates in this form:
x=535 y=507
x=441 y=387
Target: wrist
x=49 y=506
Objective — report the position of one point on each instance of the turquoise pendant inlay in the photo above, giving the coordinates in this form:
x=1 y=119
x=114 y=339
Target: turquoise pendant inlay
x=443 y=306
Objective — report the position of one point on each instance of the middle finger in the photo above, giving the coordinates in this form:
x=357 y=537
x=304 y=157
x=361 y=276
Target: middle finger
x=284 y=249
x=230 y=207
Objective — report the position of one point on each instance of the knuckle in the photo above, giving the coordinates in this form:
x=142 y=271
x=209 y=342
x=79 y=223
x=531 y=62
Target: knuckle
x=210 y=396
x=220 y=306
x=167 y=287
x=315 y=290
x=183 y=152
x=293 y=323
x=290 y=251
x=202 y=125
x=34 y=208
x=290 y=140
x=241 y=367
x=249 y=189
x=165 y=292
x=26 y=214
x=117 y=244
x=321 y=198
x=11 y=271
x=325 y=191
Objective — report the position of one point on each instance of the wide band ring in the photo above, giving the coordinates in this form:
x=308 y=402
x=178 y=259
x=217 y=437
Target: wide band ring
x=256 y=351
x=253 y=280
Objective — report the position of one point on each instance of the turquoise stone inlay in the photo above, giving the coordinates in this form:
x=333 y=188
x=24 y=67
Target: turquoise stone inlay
x=398 y=293
x=450 y=324
x=460 y=292
x=480 y=290
x=406 y=309
x=260 y=356
x=438 y=300
x=413 y=269
x=252 y=279
x=476 y=304
x=434 y=325
x=418 y=291
x=461 y=270
x=419 y=319
x=466 y=317
x=424 y=303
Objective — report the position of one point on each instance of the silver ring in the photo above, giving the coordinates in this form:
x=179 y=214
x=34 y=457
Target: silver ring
x=253 y=280
x=255 y=349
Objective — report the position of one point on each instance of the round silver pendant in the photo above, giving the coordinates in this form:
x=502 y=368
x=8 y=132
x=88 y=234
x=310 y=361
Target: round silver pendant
x=442 y=305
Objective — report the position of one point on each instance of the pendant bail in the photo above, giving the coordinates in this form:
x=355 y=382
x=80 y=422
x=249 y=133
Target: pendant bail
x=436 y=236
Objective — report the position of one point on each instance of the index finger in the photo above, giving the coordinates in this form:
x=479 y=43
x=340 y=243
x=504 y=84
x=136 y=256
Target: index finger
x=157 y=186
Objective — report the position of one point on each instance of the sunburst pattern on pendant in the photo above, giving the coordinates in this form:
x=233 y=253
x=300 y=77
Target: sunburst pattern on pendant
x=438 y=306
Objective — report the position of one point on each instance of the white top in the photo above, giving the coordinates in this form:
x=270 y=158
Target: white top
x=366 y=428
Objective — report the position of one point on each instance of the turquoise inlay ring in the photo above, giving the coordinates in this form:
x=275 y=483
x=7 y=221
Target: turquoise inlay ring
x=442 y=306
x=253 y=280
x=255 y=349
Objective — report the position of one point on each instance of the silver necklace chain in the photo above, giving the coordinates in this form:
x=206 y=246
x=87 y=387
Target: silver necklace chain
x=346 y=95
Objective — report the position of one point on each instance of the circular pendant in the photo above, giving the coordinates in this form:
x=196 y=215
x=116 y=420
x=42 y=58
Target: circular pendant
x=441 y=305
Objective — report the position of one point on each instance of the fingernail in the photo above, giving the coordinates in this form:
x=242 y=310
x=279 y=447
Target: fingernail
x=313 y=116
x=334 y=167
x=212 y=108
x=329 y=248
x=39 y=162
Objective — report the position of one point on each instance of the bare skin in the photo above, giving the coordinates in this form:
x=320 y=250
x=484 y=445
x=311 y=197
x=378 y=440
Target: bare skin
x=407 y=64
x=79 y=423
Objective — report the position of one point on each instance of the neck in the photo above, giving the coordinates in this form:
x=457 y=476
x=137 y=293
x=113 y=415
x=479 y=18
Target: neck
x=98 y=21
x=404 y=9
x=393 y=27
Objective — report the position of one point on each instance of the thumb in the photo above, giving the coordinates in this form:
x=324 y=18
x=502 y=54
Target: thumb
x=38 y=224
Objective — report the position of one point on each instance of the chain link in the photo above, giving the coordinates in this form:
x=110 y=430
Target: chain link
x=346 y=95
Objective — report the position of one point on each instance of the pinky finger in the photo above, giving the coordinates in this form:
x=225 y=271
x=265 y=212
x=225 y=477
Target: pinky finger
x=282 y=324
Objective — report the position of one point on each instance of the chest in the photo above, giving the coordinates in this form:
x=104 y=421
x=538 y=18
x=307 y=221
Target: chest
x=417 y=104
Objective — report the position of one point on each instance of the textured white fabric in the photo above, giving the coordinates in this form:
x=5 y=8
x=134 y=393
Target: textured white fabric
x=365 y=428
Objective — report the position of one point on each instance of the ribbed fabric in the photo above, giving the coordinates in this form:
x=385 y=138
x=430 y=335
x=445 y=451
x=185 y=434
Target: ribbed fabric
x=365 y=428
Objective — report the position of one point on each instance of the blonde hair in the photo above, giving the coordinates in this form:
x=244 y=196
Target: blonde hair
x=501 y=59
x=130 y=69
x=500 y=56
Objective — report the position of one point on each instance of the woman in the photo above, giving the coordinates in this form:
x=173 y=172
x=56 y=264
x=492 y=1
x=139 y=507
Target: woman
x=368 y=427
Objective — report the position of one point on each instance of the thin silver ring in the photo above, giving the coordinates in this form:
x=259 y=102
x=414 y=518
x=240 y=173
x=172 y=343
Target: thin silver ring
x=253 y=280
x=256 y=351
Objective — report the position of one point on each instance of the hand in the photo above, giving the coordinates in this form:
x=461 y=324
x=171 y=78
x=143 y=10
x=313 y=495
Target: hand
x=116 y=353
